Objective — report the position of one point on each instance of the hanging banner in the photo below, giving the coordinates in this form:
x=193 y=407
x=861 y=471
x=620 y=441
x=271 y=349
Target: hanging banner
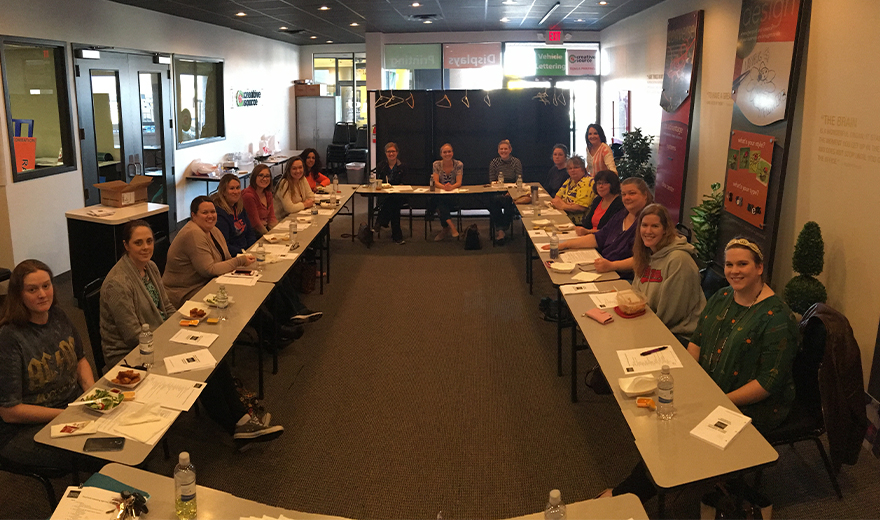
x=412 y=57
x=767 y=65
x=550 y=62
x=582 y=62
x=684 y=36
x=471 y=55
x=748 y=173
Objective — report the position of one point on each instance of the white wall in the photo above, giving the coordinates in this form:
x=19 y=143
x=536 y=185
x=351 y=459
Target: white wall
x=840 y=80
x=307 y=53
x=39 y=230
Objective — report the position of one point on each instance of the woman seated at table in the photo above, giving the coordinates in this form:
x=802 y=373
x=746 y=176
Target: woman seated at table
x=576 y=193
x=391 y=171
x=558 y=173
x=606 y=202
x=42 y=368
x=746 y=340
x=500 y=205
x=258 y=200
x=615 y=241
x=448 y=175
x=313 y=165
x=293 y=193
x=198 y=254
x=232 y=220
x=599 y=154
x=666 y=273
x=132 y=294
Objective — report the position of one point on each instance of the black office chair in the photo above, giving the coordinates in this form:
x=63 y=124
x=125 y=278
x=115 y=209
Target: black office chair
x=91 y=304
x=42 y=474
x=711 y=280
x=806 y=422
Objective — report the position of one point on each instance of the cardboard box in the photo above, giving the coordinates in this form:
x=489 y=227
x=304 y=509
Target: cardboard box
x=319 y=89
x=119 y=194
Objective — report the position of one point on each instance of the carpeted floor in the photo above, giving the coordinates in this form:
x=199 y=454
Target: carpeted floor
x=430 y=385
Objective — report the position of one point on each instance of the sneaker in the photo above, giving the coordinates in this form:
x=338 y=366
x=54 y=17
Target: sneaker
x=264 y=417
x=441 y=235
x=400 y=242
x=304 y=315
x=255 y=431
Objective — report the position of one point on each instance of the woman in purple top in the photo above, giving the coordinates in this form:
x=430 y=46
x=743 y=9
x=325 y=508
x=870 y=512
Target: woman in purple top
x=615 y=241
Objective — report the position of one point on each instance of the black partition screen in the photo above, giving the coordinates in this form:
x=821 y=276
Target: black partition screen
x=473 y=121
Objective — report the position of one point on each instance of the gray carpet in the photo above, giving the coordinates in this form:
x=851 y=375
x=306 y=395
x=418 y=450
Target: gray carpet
x=430 y=384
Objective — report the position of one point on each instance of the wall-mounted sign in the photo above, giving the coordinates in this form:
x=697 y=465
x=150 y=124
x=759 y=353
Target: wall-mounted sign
x=582 y=62
x=413 y=57
x=749 y=159
x=246 y=98
x=550 y=62
x=471 y=55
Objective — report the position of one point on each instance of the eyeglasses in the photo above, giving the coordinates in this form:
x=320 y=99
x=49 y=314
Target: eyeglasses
x=264 y=176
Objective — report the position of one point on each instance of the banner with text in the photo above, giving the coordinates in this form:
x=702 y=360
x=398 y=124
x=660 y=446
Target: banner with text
x=550 y=62
x=748 y=174
x=582 y=62
x=684 y=36
x=471 y=55
x=412 y=57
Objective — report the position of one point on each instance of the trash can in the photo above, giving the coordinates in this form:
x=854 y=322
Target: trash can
x=355 y=172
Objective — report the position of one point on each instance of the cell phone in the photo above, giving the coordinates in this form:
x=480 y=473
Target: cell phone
x=104 y=444
x=244 y=272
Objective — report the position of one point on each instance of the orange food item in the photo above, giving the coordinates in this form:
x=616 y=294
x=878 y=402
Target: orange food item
x=197 y=313
x=126 y=377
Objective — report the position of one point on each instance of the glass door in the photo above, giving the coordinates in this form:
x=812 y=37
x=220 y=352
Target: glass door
x=124 y=109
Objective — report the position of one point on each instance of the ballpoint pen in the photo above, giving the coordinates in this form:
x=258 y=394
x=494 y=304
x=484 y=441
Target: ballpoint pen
x=654 y=350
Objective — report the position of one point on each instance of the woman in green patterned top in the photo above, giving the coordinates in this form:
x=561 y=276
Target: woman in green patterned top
x=576 y=194
x=746 y=339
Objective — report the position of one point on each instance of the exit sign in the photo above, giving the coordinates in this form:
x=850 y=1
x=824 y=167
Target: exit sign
x=554 y=37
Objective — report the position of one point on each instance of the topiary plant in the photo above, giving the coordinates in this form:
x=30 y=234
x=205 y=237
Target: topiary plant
x=802 y=291
x=636 y=160
x=705 y=219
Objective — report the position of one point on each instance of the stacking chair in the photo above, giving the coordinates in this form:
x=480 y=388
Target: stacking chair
x=41 y=474
x=91 y=304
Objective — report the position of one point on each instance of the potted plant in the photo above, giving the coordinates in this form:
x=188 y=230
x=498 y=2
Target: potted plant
x=802 y=291
x=636 y=160
x=705 y=219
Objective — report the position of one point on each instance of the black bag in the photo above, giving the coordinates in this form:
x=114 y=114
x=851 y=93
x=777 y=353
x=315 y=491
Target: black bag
x=472 y=238
x=365 y=235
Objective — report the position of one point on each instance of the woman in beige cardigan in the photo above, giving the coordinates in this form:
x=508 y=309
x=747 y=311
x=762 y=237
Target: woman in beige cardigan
x=293 y=193
x=198 y=254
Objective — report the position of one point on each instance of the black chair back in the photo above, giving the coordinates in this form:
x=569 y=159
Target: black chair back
x=805 y=369
x=712 y=281
x=91 y=304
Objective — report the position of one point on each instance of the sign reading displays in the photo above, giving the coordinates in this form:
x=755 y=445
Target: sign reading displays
x=582 y=62
x=412 y=57
x=471 y=55
x=549 y=62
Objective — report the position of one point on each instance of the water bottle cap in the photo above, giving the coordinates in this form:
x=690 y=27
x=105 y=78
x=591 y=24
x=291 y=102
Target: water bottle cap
x=664 y=369
x=555 y=497
x=184 y=458
x=145 y=327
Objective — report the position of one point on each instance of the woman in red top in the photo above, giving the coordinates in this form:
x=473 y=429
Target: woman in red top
x=258 y=200
x=313 y=164
x=606 y=203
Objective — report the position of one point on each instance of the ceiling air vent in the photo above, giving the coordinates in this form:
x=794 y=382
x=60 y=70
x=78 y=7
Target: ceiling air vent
x=423 y=17
x=291 y=31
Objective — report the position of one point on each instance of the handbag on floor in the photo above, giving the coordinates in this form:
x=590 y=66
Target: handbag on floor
x=303 y=276
x=365 y=235
x=472 y=238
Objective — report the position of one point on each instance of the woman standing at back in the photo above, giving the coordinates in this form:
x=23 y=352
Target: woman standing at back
x=599 y=154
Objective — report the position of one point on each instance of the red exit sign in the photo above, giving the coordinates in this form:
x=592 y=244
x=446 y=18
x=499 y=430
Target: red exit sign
x=554 y=36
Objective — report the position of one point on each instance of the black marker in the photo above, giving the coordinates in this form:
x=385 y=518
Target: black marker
x=653 y=351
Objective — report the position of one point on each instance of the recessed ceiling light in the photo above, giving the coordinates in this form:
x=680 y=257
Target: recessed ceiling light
x=508 y=2
x=240 y=14
x=505 y=19
x=603 y=3
x=323 y=8
x=428 y=21
x=329 y=41
x=353 y=24
x=579 y=20
x=416 y=4
x=282 y=28
x=314 y=37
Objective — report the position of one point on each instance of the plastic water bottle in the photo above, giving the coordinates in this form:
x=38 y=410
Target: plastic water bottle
x=333 y=199
x=291 y=230
x=554 y=246
x=536 y=203
x=185 y=488
x=335 y=183
x=432 y=183
x=261 y=255
x=501 y=178
x=145 y=343
x=665 y=409
x=519 y=183
x=555 y=509
x=314 y=207
x=222 y=301
x=373 y=179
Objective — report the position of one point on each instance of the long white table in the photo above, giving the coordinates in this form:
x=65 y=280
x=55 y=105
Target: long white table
x=623 y=507
x=673 y=456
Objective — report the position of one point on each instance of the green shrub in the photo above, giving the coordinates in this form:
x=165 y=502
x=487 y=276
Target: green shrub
x=802 y=291
x=705 y=219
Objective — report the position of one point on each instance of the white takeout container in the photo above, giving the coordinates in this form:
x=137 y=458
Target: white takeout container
x=562 y=267
x=638 y=385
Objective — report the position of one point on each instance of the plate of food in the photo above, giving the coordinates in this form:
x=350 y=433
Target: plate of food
x=565 y=227
x=280 y=237
x=304 y=220
x=104 y=400
x=194 y=310
x=126 y=377
x=541 y=222
x=211 y=300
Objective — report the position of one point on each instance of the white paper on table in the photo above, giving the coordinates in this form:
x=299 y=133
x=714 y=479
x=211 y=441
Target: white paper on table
x=543 y=195
x=195 y=360
x=634 y=362
x=152 y=432
x=288 y=256
x=537 y=233
x=421 y=190
x=579 y=288
x=169 y=392
x=720 y=427
x=276 y=249
x=233 y=279
x=580 y=256
x=74 y=428
x=586 y=277
x=86 y=503
x=552 y=212
x=322 y=196
x=524 y=211
x=403 y=187
x=194 y=337
x=307 y=211
x=605 y=301
x=325 y=212
x=566 y=235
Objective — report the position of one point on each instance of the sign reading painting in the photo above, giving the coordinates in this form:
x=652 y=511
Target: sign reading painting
x=471 y=55
x=748 y=174
x=412 y=57
x=550 y=62
x=582 y=62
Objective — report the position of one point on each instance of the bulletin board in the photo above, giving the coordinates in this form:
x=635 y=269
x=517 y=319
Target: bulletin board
x=473 y=122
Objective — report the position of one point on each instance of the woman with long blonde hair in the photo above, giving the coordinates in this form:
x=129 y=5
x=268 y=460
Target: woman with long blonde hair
x=293 y=193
